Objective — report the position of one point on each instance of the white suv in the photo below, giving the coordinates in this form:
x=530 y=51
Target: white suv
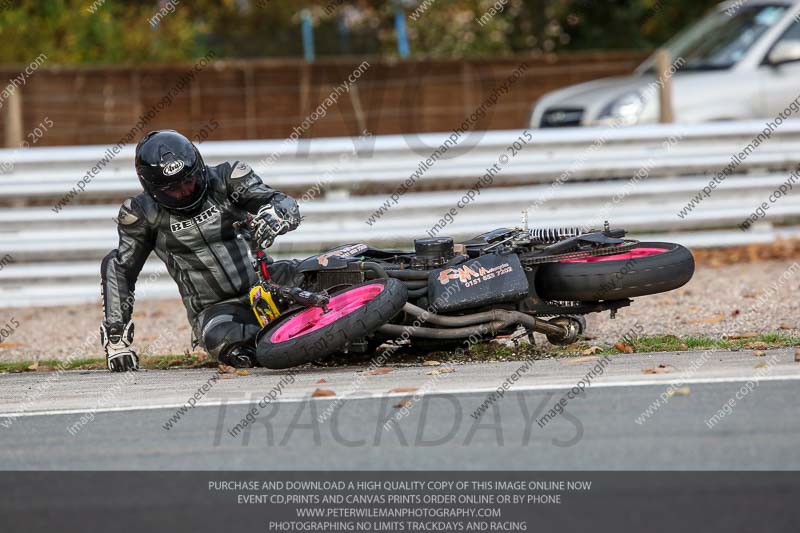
x=741 y=61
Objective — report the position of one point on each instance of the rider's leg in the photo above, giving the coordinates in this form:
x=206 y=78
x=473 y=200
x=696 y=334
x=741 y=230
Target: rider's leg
x=227 y=331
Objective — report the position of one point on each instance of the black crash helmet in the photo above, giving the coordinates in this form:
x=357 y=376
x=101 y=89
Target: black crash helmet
x=171 y=170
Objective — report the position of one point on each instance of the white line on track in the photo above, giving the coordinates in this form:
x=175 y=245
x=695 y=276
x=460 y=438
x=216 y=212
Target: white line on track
x=355 y=396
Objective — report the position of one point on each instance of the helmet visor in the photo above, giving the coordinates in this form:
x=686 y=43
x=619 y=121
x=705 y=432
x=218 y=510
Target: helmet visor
x=182 y=193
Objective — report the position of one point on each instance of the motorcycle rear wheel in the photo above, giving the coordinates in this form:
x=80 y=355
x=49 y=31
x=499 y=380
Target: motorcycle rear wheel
x=309 y=334
x=650 y=268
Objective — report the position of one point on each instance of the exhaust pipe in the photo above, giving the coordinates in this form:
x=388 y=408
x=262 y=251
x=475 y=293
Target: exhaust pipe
x=459 y=327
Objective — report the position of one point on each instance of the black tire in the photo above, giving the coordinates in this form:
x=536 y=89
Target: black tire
x=336 y=336
x=617 y=279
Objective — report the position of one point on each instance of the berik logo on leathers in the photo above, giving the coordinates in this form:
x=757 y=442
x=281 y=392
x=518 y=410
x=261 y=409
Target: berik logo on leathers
x=209 y=214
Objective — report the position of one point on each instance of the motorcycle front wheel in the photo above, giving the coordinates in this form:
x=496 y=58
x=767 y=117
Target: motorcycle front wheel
x=309 y=334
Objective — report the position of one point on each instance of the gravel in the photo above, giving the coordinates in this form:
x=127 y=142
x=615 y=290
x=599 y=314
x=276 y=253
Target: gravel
x=734 y=299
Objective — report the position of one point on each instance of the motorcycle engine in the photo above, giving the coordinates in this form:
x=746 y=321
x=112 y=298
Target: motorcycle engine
x=432 y=252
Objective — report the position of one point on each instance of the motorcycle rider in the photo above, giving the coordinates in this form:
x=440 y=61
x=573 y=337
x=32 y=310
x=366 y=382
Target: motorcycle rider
x=186 y=215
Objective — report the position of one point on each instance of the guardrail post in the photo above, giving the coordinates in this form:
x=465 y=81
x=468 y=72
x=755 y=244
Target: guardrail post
x=663 y=64
x=13 y=119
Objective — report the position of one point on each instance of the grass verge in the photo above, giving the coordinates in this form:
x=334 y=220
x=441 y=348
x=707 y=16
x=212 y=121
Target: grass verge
x=148 y=362
x=486 y=352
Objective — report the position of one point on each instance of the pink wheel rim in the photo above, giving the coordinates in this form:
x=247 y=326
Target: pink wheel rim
x=636 y=253
x=314 y=318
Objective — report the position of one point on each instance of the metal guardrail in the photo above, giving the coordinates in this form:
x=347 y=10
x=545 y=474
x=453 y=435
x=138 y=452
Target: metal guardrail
x=56 y=253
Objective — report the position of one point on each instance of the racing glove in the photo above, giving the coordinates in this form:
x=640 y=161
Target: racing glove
x=275 y=219
x=117 y=340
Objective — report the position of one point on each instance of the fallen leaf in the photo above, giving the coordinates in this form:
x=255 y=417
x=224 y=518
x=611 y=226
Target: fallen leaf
x=34 y=366
x=431 y=363
x=404 y=389
x=378 y=371
x=227 y=376
x=404 y=403
x=225 y=369
x=759 y=353
x=447 y=370
x=786 y=325
x=242 y=372
x=680 y=391
x=321 y=393
x=660 y=369
x=591 y=350
x=322 y=380
x=762 y=364
x=433 y=373
x=622 y=347
x=797 y=355
x=4 y=345
x=579 y=359
x=710 y=320
x=684 y=346
x=741 y=336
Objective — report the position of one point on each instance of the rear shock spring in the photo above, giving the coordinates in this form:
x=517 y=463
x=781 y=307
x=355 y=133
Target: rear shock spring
x=551 y=235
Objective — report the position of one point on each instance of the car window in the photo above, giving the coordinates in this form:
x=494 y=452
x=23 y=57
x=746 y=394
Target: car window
x=792 y=34
x=721 y=39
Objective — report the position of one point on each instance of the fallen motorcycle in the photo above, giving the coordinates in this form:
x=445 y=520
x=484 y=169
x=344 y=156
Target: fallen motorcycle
x=504 y=282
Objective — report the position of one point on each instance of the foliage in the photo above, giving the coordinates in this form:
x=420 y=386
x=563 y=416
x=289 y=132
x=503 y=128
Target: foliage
x=118 y=31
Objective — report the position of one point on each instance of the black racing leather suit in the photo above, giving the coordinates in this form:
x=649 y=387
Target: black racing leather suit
x=202 y=254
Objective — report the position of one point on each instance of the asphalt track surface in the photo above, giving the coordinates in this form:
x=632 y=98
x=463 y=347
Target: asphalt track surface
x=118 y=421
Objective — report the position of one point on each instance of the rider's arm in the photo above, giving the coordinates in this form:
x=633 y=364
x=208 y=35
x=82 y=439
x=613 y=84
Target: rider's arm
x=275 y=213
x=247 y=190
x=119 y=271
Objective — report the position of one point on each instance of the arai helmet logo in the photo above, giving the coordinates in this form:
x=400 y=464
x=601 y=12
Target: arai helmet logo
x=173 y=167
